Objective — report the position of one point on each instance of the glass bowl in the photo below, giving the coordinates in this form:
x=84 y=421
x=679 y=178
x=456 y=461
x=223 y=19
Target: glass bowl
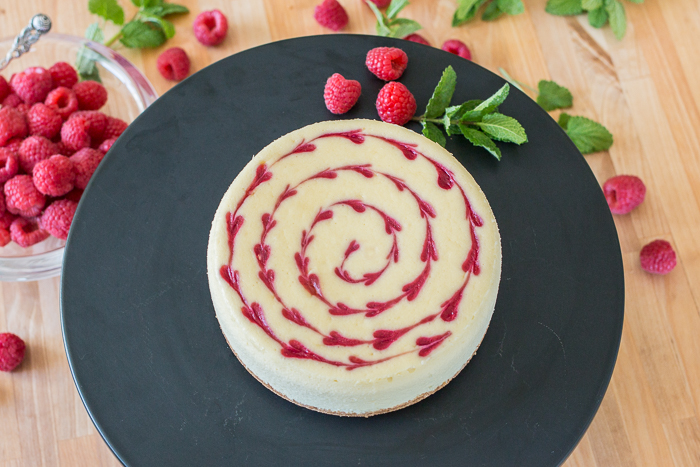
x=130 y=93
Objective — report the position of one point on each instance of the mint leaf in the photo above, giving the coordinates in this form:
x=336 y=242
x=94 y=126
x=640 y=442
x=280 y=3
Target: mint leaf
x=491 y=12
x=512 y=7
x=552 y=96
x=395 y=7
x=636 y=1
x=94 y=33
x=503 y=128
x=164 y=10
x=85 y=61
x=598 y=17
x=167 y=27
x=107 y=9
x=587 y=135
x=589 y=5
x=147 y=3
x=136 y=34
x=479 y=139
x=564 y=7
x=618 y=20
x=382 y=26
x=564 y=120
x=433 y=133
x=450 y=128
x=402 y=27
x=490 y=104
x=466 y=10
x=442 y=95
x=458 y=112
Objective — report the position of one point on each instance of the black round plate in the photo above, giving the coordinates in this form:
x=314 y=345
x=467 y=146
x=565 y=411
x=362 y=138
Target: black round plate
x=143 y=342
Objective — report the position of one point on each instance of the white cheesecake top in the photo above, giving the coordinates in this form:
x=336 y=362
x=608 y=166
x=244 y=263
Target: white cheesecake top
x=354 y=266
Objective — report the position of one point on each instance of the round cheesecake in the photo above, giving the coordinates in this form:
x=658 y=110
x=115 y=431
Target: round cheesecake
x=354 y=267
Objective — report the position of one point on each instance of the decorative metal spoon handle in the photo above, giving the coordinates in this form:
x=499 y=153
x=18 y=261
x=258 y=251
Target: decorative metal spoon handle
x=40 y=24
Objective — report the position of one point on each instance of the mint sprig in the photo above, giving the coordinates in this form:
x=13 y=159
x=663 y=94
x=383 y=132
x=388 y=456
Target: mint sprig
x=478 y=121
x=600 y=12
x=388 y=25
x=468 y=9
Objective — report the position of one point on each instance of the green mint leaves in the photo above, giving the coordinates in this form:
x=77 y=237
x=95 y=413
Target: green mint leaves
x=478 y=121
x=467 y=10
x=107 y=9
x=85 y=62
x=600 y=12
x=587 y=135
x=389 y=25
x=552 y=96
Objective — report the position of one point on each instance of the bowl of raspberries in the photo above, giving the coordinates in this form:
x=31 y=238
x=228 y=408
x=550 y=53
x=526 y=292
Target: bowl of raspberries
x=56 y=125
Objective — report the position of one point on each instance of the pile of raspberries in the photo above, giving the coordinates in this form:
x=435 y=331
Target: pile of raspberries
x=52 y=138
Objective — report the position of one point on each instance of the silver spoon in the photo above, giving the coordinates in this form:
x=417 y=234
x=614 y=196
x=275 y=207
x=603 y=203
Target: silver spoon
x=40 y=24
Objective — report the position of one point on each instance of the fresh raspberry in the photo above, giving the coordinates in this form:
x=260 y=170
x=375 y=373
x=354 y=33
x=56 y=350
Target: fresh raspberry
x=210 y=27
x=74 y=134
x=658 y=257
x=34 y=150
x=106 y=145
x=96 y=123
x=6 y=219
x=32 y=85
x=395 y=103
x=74 y=195
x=115 y=127
x=22 y=197
x=457 y=47
x=85 y=162
x=14 y=144
x=387 y=63
x=624 y=193
x=9 y=164
x=43 y=121
x=5 y=237
x=2 y=204
x=331 y=14
x=63 y=101
x=11 y=100
x=11 y=351
x=24 y=109
x=381 y=3
x=54 y=176
x=4 y=88
x=57 y=217
x=63 y=150
x=63 y=74
x=417 y=38
x=12 y=124
x=27 y=232
x=174 y=64
x=341 y=94
x=91 y=95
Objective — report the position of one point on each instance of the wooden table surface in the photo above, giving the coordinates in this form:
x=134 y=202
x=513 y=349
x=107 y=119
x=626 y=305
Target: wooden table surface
x=645 y=89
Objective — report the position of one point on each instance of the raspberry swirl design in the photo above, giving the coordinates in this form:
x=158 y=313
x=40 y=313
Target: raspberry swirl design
x=324 y=323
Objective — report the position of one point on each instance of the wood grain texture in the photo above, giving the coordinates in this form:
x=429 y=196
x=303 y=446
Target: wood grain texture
x=645 y=89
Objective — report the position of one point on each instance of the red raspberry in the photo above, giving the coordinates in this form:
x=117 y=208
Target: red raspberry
x=2 y=204
x=27 y=232
x=4 y=88
x=658 y=257
x=210 y=27
x=63 y=150
x=54 y=176
x=63 y=101
x=22 y=197
x=387 y=63
x=331 y=14
x=11 y=100
x=9 y=164
x=5 y=237
x=57 y=217
x=624 y=193
x=106 y=145
x=85 y=162
x=32 y=85
x=63 y=74
x=6 y=219
x=96 y=123
x=115 y=127
x=14 y=144
x=12 y=123
x=11 y=351
x=341 y=94
x=458 y=48
x=395 y=103
x=34 y=150
x=381 y=3
x=43 y=121
x=74 y=195
x=74 y=134
x=417 y=38
x=174 y=64
x=91 y=95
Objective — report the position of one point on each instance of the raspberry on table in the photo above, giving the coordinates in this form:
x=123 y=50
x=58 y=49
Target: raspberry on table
x=624 y=193
x=54 y=176
x=12 y=349
x=34 y=150
x=395 y=103
x=63 y=101
x=96 y=123
x=658 y=257
x=22 y=197
x=91 y=95
x=74 y=134
x=5 y=236
x=331 y=14
x=4 y=88
x=9 y=164
x=85 y=163
x=43 y=121
x=27 y=232
x=387 y=63
x=417 y=38
x=58 y=216
x=106 y=145
x=341 y=94
x=457 y=47
x=63 y=74
x=32 y=85
x=115 y=127
x=11 y=100
x=12 y=124
x=380 y=3
x=174 y=64
x=210 y=27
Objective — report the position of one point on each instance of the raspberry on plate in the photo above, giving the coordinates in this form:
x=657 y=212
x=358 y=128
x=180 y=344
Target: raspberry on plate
x=27 y=232
x=22 y=197
x=210 y=27
x=9 y=164
x=658 y=257
x=63 y=101
x=63 y=74
x=74 y=134
x=43 y=121
x=624 y=193
x=54 y=176
x=395 y=103
x=457 y=47
x=417 y=38
x=341 y=94
x=331 y=14
x=12 y=350
x=85 y=163
x=387 y=63
x=32 y=85
x=58 y=216
x=34 y=150
x=12 y=124
x=91 y=95
x=174 y=64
